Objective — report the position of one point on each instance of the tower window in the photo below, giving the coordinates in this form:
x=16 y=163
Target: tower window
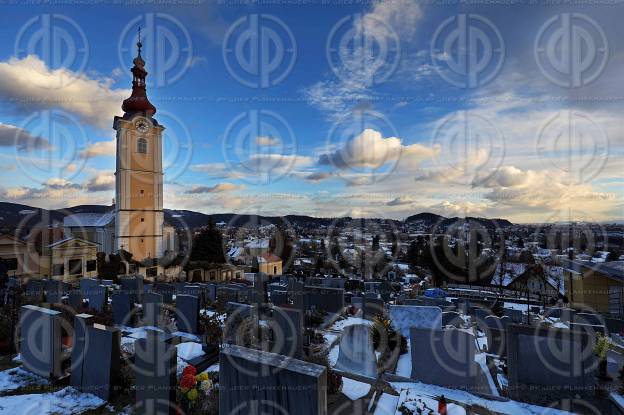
x=142 y=219
x=142 y=192
x=142 y=145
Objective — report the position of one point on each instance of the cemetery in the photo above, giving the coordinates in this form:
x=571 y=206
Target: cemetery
x=287 y=345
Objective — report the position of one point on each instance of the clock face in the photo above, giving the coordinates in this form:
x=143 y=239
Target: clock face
x=142 y=126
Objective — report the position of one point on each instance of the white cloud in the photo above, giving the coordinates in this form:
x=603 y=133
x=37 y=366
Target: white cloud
x=100 y=148
x=30 y=85
x=101 y=181
x=268 y=141
x=371 y=150
x=218 y=188
x=12 y=136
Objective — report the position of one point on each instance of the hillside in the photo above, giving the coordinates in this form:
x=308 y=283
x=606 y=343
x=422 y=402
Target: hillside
x=16 y=216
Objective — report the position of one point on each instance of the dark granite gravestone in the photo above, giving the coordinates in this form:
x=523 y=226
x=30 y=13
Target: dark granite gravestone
x=123 y=308
x=357 y=302
x=227 y=294
x=452 y=318
x=373 y=308
x=86 y=284
x=495 y=329
x=107 y=283
x=98 y=297
x=239 y=317
x=75 y=300
x=327 y=299
x=287 y=328
x=81 y=323
x=155 y=364
x=279 y=298
x=463 y=305
x=371 y=295
x=95 y=358
x=550 y=357
x=253 y=381
x=54 y=291
x=211 y=292
x=615 y=325
x=40 y=341
x=187 y=313
x=152 y=309
x=444 y=358
x=133 y=286
x=166 y=290
x=34 y=291
x=514 y=315
x=356 y=353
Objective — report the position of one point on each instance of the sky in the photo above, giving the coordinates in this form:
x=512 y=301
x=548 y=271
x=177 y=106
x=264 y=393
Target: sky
x=374 y=109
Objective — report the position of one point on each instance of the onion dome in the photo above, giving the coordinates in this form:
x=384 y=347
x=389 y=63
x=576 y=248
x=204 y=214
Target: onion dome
x=138 y=102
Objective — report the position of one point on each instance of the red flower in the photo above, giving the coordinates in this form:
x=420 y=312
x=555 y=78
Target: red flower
x=189 y=370
x=187 y=381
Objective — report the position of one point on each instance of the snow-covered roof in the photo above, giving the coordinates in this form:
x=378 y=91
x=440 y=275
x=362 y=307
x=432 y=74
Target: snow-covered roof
x=262 y=244
x=88 y=219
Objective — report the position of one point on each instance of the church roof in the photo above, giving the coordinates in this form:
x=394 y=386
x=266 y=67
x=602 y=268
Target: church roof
x=88 y=219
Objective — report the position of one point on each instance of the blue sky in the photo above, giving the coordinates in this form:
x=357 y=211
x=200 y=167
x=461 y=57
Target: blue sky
x=363 y=128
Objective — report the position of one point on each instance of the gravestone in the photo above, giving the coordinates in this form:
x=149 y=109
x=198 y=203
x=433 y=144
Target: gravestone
x=566 y=358
x=155 y=364
x=413 y=301
x=357 y=302
x=187 y=313
x=514 y=315
x=95 y=358
x=356 y=353
x=405 y=317
x=75 y=300
x=227 y=294
x=123 y=308
x=591 y=329
x=495 y=329
x=132 y=286
x=166 y=290
x=98 y=297
x=40 y=341
x=54 y=291
x=81 y=323
x=279 y=298
x=257 y=382
x=152 y=309
x=444 y=358
x=211 y=292
x=33 y=293
x=327 y=299
x=239 y=317
x=452 y=318
x=287 y=330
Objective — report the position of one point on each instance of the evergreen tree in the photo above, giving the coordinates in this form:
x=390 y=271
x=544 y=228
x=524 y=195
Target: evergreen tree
x=208 y=245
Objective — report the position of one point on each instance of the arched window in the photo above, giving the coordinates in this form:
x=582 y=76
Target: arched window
x=142 y=145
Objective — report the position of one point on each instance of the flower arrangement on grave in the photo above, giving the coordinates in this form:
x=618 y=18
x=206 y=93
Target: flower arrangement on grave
x=382 y=331
x=602 y=347
x=194 y=390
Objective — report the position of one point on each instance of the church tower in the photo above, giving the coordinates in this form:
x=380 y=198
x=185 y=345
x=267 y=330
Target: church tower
x=138 y=175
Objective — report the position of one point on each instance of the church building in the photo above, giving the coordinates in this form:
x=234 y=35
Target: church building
x=137 y=222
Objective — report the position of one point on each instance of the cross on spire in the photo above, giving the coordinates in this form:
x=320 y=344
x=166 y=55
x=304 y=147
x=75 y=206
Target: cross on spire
x=139 y=44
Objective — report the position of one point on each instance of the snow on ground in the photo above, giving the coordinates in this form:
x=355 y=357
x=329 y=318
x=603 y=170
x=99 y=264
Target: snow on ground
x=354 y=389
x=404 y=364
x=140 y=332
x=189 y=350
x=426 y=404
x=213 y=368
x=418 y=390
x=480 y=358
x=63 y=402
x=349 y=321
x=18 y=377
x=387 y=404
x=188 y=336
x=332 y=356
